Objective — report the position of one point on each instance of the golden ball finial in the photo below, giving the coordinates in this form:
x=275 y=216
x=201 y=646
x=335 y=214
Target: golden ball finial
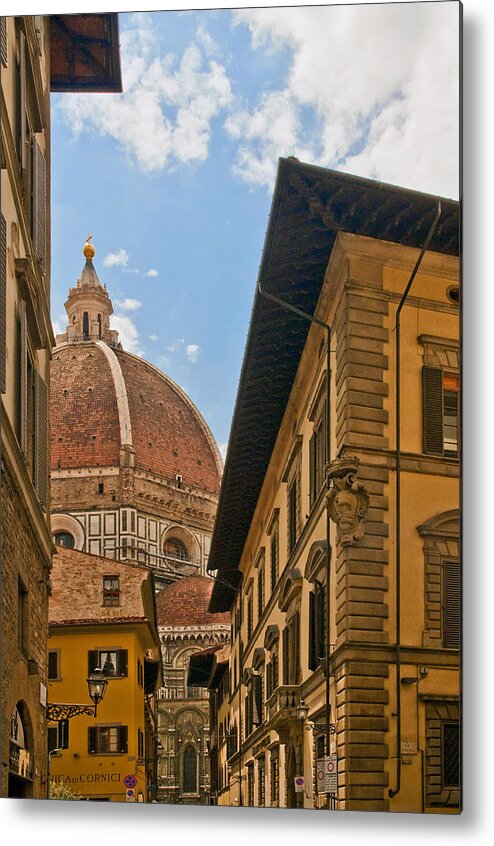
x=88 y=249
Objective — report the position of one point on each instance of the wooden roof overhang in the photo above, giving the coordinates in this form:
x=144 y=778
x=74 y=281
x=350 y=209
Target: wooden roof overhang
x=201 y=665
x=310 y=206
x=85 y=53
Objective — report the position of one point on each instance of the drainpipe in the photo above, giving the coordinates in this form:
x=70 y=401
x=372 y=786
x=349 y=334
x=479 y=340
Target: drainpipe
x=327 y=328
x=396 y=790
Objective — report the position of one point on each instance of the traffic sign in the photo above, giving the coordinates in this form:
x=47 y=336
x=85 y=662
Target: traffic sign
x=130 y=795
x=299 y=784
x=327 y=774
x=130 y=780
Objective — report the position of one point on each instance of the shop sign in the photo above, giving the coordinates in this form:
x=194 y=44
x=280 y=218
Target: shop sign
x=86 y=778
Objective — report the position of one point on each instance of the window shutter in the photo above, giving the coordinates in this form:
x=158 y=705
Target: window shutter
x=122 y=738
x=4 y=55
x=296 y=648
x=53 y=665
x=22 y=103
x=320 y=614
x=39 y=211
x=275 y=677
x=42 y=448
x=432 y=380
x=3 y=300
x=63 y=734
x=312 y=632
x=21 y=376
x=257 y=700
x=122 y=662
x=92 y=661
x=451 y=604
x=286 y=658
x=52 y=738
x=313 y=469
x=92 y=739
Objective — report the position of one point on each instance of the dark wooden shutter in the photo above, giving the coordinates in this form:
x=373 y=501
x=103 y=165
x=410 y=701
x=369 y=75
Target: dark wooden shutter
x=52 y=738
x=39 y=203
x=22 y=104
x=296 y=648
x=63 y=734
x=122 y=662
x=257 y=700
x=92 y=739
x=21 y=376
x=3 y=301
x=122 y=738
x=313 y=469
x=42 y=445
x=312 y=632
x=53 y=665
x=92 y=661
x=451 y=604
x=286 y=656
x=320 y=615
x=432 y=381
x=4 y=54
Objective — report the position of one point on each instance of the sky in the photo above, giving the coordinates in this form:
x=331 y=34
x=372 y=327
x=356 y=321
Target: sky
x=174 y=177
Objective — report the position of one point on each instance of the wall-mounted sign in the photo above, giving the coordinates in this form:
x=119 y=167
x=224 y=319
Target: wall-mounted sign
x=327 y=774
x=299 y=782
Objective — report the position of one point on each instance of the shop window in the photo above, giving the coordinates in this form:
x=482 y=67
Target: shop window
x=113 y=663
x=104 y=740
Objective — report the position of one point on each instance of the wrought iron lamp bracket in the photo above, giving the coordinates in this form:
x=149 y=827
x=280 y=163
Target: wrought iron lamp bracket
x=57 y=712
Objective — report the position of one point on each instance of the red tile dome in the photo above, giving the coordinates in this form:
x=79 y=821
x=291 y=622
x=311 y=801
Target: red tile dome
x=185 y=603
x=104 y=399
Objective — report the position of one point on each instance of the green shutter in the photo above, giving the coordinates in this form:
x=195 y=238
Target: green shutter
x=3 y=301
x=42 y=441
x=451 y=604
x=432 y=381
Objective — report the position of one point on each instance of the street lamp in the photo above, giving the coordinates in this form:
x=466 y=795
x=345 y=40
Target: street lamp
x=96 y=683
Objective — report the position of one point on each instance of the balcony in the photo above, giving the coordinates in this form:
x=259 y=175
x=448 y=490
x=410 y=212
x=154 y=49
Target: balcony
x=282 y=708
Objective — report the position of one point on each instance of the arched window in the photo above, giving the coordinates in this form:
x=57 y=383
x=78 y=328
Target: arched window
x=175 y=549
x=64 y=539
x=190 y=770
x=99 y=325
x=85 y=326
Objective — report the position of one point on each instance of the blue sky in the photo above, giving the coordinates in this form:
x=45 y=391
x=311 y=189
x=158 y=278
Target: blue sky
x=174 y=178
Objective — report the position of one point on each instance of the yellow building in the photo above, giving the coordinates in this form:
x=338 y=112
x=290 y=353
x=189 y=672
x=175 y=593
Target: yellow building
x=336 y=544
x=103 y=614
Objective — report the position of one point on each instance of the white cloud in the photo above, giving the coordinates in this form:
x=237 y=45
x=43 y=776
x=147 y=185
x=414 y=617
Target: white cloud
x=223 y=448
x=177 y=345
x=371 y=89
x=129 y=304
x=119 y=259
x=151 y=272
x=59 y=324
x=128 y=333
x=164 y=115
x=153 y=338
x=192 y=352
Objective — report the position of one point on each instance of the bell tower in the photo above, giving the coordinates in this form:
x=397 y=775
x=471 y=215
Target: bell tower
x=89 y=307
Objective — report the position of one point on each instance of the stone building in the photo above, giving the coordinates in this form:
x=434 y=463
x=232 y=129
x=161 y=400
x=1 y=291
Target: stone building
x=37 y=55
x=341 y=571
x=135 y=470
x=185 y=628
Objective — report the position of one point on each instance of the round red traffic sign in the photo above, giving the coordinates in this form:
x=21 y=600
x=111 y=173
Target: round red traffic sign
x=130 y=781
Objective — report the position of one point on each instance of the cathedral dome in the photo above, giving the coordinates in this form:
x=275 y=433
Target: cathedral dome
x=185 y=603
x=105 y=401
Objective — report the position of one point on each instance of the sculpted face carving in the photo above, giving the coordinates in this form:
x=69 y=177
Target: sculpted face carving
x=347 y=501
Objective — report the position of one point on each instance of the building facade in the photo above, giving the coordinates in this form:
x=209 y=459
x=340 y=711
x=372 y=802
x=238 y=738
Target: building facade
x=33 y=62
x=103 y=615
x=342 y=575
x=185 y=627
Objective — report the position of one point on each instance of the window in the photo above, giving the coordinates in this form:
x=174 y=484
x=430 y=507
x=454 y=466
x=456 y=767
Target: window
x=54 y=664
x=175 y=549
x=275 y=776
x=104 y=740
x=64 y=539
x=111 y=591
x=291 y=651
x=291 y=475
x=260 y=591
x=113 y=662
x=317 y=455
x=293 y=513
x=440 y=408
x=22 y=616
x=451 y=604
x=58 y=736
x=190 y=770
x=442 y=752
x=261 y=782
x=442 y=580
x=140 y=743
x=275 y=554
x=317 y=625
x=140 y=674
x=85 y=326
x=250 y=785
x=249 y=617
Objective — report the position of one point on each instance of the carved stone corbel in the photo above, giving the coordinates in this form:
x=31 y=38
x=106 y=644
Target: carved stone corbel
x=347 y=501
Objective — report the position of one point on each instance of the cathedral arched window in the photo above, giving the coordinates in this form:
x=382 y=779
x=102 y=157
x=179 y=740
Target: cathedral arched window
x=64 y=539
x=190 y=770
x=175 y=549
x=85 y=326
x=99 y=325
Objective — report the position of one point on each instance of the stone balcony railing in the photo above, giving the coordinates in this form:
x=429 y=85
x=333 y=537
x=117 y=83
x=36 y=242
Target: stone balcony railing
x=282 y=707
